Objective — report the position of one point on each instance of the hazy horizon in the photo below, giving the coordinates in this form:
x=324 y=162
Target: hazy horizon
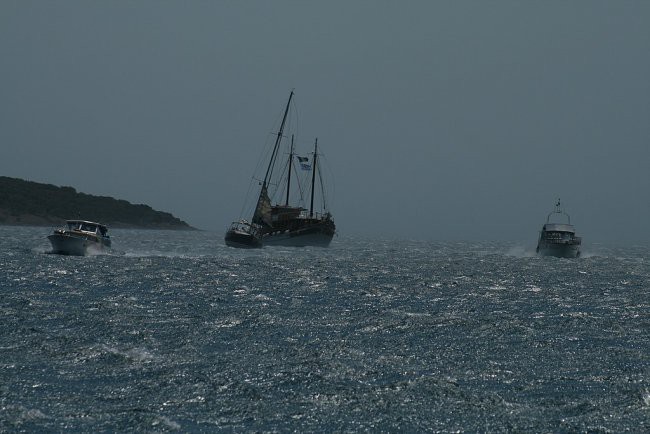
x=438 y=120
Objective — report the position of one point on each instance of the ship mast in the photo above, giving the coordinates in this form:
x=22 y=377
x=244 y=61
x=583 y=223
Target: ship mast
x=278 y=139
x=289 y=172
x=322 y=189
x=263 y=201
x=558 y=210
x=313 y=179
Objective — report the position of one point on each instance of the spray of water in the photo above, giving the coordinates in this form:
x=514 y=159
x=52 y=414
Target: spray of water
x=521 y=252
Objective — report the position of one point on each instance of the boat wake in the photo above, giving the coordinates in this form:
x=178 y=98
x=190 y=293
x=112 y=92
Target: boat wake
x=92 y=251
x=40 y=250
x=521 y=252
x=159 y=254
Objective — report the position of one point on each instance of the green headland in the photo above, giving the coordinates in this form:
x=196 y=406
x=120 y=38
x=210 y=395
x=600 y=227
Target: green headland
x=34 y=204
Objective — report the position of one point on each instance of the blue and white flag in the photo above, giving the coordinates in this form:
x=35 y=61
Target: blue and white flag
x=304 y=163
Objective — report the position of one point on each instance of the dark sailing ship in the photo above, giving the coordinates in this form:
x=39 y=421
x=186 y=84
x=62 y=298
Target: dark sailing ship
x=285 y=224
x=558 y=239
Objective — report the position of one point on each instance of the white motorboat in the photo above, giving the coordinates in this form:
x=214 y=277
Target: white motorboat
x=80 y=238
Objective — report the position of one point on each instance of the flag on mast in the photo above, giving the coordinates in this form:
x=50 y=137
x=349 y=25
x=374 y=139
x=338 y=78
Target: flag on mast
x=304 y=163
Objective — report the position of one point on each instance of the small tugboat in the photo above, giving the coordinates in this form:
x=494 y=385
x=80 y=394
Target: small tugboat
x=558 y=239
x=80 y=238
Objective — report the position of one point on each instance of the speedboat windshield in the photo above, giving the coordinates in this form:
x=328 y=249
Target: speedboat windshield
x=82 y=226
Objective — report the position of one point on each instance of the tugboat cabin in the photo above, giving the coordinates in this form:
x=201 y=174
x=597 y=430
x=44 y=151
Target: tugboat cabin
x=558 y=232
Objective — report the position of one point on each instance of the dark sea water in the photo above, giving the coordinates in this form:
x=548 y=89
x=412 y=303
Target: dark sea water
x=176 y=332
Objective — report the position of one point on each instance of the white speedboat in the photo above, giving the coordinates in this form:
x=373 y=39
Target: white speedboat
x=80 y=238
x=244 y=235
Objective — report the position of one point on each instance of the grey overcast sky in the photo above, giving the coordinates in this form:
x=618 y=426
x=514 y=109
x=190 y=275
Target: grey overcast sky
x=438 y=119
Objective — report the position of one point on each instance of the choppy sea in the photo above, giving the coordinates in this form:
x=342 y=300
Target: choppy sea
x=174 y=331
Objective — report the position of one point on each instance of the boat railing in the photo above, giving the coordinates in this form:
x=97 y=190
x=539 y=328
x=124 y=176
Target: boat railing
x=562 y=240
x=315 y=215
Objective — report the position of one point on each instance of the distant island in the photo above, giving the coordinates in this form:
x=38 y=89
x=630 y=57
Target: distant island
x=29 y=203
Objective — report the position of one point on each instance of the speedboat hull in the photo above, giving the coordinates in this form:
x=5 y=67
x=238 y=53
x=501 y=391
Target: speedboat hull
x=67 y=244
x=242 y=240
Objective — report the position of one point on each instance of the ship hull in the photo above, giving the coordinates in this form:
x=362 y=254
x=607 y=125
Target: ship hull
x=317 y=236
x=559 y=250
x=64 y=244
